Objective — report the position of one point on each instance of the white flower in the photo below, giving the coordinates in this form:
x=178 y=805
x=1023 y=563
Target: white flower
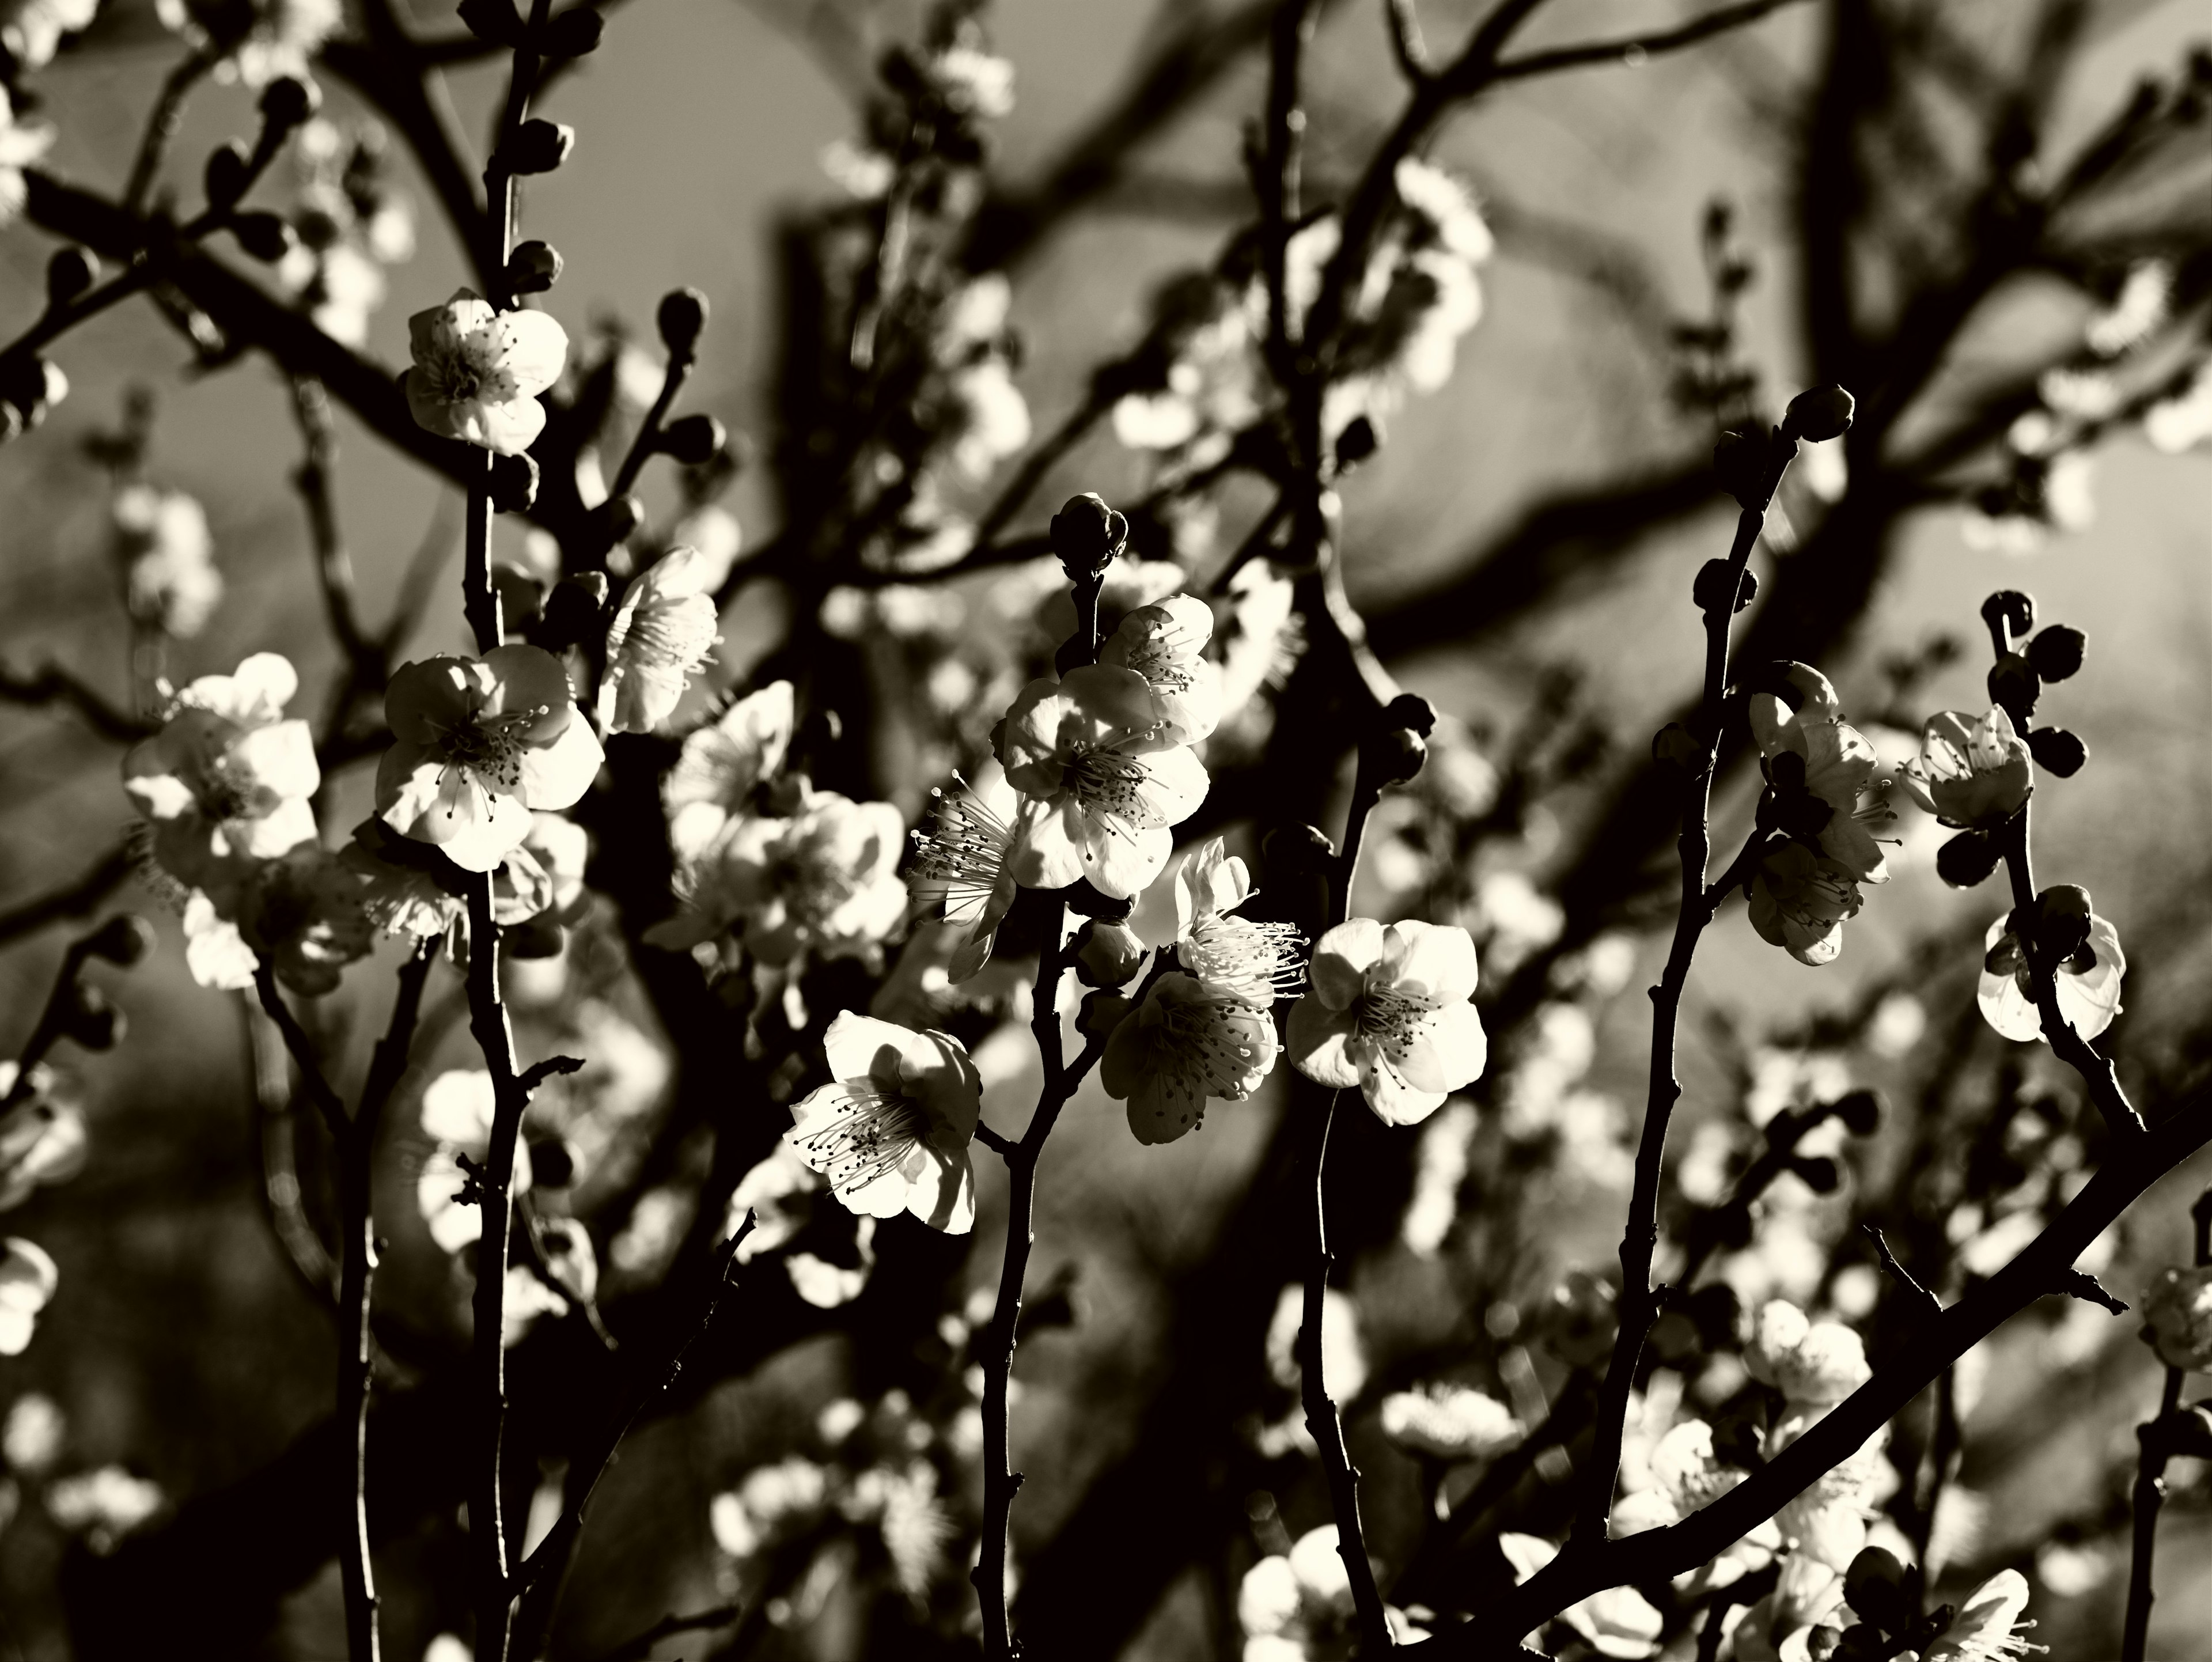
x=1104 y=780
x=1389 y=1012
x=478 y=744
x=1182 y=1045
x=1231 y=956
x=963 y=871
x=1298 y=1607
x=19 y=146
x=994 y=417
x=2088 y=983
x=227 y=782
x=714 y=531
x=1970 y=771
x=34 y=1433
x=162 y=541
x=1165 y=644
x=457 y=1111
x=1987 y=1629
x=974 y=83
x=892 y=1133
x=661 y=635
x=721 y=763
x=102 y=1505
x=1453 y=1422
x=2138 y=309
x=1800 y=900
x=478 y=373
x=42 y=1140
x=31 y=30
x=1808 y=1362
x=1618 y=1623
x=2175 y=424
x=27 y=1280
x=305 y=912
x=1808 y=750
x=1447 y=205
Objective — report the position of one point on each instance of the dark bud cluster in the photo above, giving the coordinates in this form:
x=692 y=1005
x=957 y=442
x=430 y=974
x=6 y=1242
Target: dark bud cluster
x=2024 y=667
x=2011 y=612
x=288 y=102
x=1967 y=859
x=574 y=611
x=228 y=171
x=268 y=237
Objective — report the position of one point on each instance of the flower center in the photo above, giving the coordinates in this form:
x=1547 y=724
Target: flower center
x=960 y=861
x=1106 y=783
x=1387 y=1019
x=491 y=746
x=874 y=1130
x=1258 y=963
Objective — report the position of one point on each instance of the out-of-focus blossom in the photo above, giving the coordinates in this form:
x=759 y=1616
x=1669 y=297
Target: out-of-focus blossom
x=1165 y=644
x=1297 y=1606
x=1440 y=1167
x=714 y=531
x=31 y=30
x=2177 y=1312
x=1183 y=1044
x=103 y=1505
x=1451 y=1422
x=478 y=744
x=1987 y=1629
x=2088 y=983
x=1091 y=753
x=866 y=174
x=1619 y=1621
x=1972 y=771
x=456 y=1111
x=527 y=1299
x=902 y=1507
x=33 y=1436
x=227 y=781
x=825 y=880
x=772 y=1502
x=1813 y=1362
x=962 y=873
x=259 y=39
x=661 y=635
x=1343 y=1352
x=975 y=81
x=892 y=1131
x=2185 y=421
x=22 y=144
x=722 y=762
x=27 y=1281
x=2138 y=309
x=1389 y=1013
x=305 y=912
x=42 y=1138
x=994 y=417
x=478 y=373
x=166 y=552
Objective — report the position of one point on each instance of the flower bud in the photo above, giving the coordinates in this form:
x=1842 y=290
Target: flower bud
x=1107 y=954
x=1356 y=443
x=2057 y=752
x=29 y=386
x=1676 y=747
x=619 y=518
x=574 y=611
x=575 y=34
x=2176 y=1311
x=513 y=483
x=126 y=939
x=264 y=236
x=93 y=1021
x=1967 y=859
x=1818 y=1172
x=2015 y=684
x=1099 y=1014
x=682 y=319
x=533 y=268
x=2010 y=610
x=692 y=439
x=288 y=102
x=1819 y=414
x=228 y=172
x=1860 y=1112
x=492 y=19
x=1711 y=590
x=69 y=274
x=2056 y=652
x=1874 y=1588
x=538 y=147
x=1088 y=536
x=1744 y=459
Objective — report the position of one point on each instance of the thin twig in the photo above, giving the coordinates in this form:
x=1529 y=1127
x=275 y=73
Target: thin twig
x=1634 y=50
x=167 y=115
x=311 y=1078
x=2154 y=1449
x=639 y=1645
x=56 y=685
x=73 y=899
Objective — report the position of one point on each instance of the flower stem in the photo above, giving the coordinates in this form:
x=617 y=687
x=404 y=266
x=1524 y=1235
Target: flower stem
x=2155 y=1448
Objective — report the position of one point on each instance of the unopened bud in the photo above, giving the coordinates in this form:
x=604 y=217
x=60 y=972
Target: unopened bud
x=1745 y=460
x=1356 y=443
x=93 y=1021
x=264 y=236
x=574 y=32
x=1107 y=954
x=533 y=268
x=494 y=21
x=1875 y=1587
x=1713 y=590
x=2056 y=652
x=682 y=319
x=126 y=939
x=1676 y=747
x=572 y=610
x=69 y=274
x=1860 y=1112
x=2057 y=752
x=1088 y=535
x=1967 y=859
x=619 y=518
x=513 y=483
x=288 y=102
x=2062 y=921
x=2010 y=610
x=1819 y=414
x=538 y=147
x=229 y=170
x=692 y=439
x=2015 y=684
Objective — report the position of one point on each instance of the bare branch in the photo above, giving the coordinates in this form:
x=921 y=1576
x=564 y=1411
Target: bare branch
x=1634 y=50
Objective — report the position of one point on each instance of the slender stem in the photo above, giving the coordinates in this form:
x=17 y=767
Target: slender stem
x=1943 y=1448
x=168 y=114
x=2155 y=1445
x=680 y=365
x=1322 y=1424
x=1639 y=1300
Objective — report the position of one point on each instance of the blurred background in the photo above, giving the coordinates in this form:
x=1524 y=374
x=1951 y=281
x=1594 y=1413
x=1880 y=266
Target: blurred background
x=1678 y=240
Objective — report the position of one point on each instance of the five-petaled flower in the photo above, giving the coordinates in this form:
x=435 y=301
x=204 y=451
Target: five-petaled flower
x=1165 y=644
x=1389 y=1012
x=1799 y=901
x=661 y=637
x=892 y=1131
x=226 y=780
x=722 y=762
x=2087 y=980
x=1257 y=962
x=1184 y=1044
x=478 y=373
x=477 y=744
x=1105 y=780
x=1972 y=772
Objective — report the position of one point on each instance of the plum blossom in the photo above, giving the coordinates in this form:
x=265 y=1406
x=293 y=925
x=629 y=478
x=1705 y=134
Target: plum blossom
x=722 y=764
x=1232 y=957
x=2088 y=982
x=1811 y=1363
x=1165 y=644
x=479 y=744
x=478 y=373
x=1104 y=779
x=1800 y=900
x=163 y=545
x=1988 y=1628
x=1184 y=1044
x=102 y=1505
x=261 y=39
x=1297 y=1606
x=20 y=145
x=823 y=880
x=1450 y=1422
x=31 y=30
x=226 y=782
x=305 y=912
x=1389 y=1012
x=2177 y=1312
x=1809 y=751
x=661 y=637
x=1971 y=772
x=892 y=1131
x=27 y=1281
x=42 y=1137
x=457 y=1113
x=962 y=873
x=1619 y=1621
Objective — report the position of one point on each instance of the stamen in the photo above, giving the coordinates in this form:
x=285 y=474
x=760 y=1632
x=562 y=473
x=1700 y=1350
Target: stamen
x=874 y=1130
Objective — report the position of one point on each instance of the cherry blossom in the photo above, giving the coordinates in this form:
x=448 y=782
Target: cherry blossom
x=42 y=1137
x=1184 y=1044
x=1450 y=1422
x=1800 y=900
x=31 y=30
x=1619 y=1621
x=163 y=545
x=1389 y=1012
x=892 y=1131
x=1809 y=750
x=661 y=635
x=1988 y=1628
x=478 y=373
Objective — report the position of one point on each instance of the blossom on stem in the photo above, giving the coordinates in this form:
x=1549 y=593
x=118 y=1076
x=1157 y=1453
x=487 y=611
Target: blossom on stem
x=1183 y=1044
x=1232 y=957
x=1165 y=644
x=661 y=637
x=479 y=743
x=2087 y=981
x=1815 y=761
x=1971 y=772
x=1988 y=1628
x=163 y=545
x=1091 y=753
x=962 y=873
x=892 y=1131
x=1389 y=1012
x=20 y=145
x=1297 y=1606
x=1800 y=900
x=722 y=762
x=478 y=372
x=227 y=781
